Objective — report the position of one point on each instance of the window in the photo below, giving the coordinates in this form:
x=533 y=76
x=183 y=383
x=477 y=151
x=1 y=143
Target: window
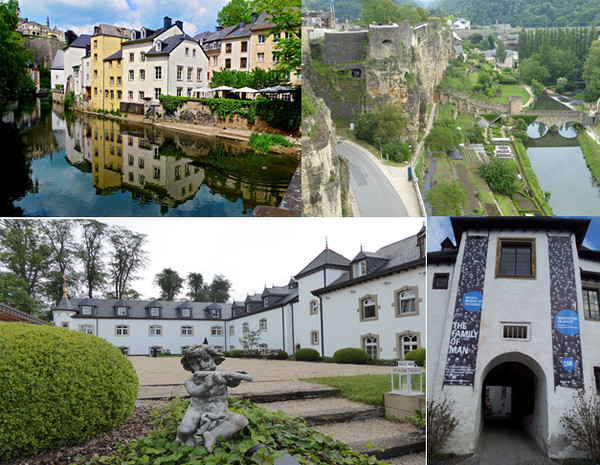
x=245 y=328
x=124 y=350
x=184 y=349
x=275 y=58
x=219 y=349
x=95 y=44
x=408 y=342
x=110 y=64
x=131 y=160
x=515 y=331
x=590 y=304
x=142 y=56
x=359 y=269
x=156 y=172
x=186 y=312
x=189 y=92
x=232 y=330
x=121 y=330
x=131 y=75
x=243 y=62
x=261 y=39
x=406 y=301
x=142 y=74
x=157 y=72
x=216 y=313
x=86 y=309
x=260 y=57
x=368 y=308
x=95 y=74
x=265 y=301
x=95 y=91
x=154 y=311
x=187 y=330
x=440 y=280
x=95 y=57
x=264 y=349
x=187 y=51
x=112 y=94
x=244 y=46
x=122 y=311
x=314 y=338
x=155 y=330
x=227 y=48
x=370 y=344
x=194 y=53
x=180 y=73
x=198 y=74
x=87 y=329
x=141 y=165
x=215 y=61
x=262 y=324
x=141 y=95
x=216 y=331
x=130 y=95
x=189 y=73
x=157 y=94
x=515 y=258
x=106 y=94
x=228 y=63
x=314 y=307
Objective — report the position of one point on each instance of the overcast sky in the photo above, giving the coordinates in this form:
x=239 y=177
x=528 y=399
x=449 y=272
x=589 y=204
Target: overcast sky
x=82 y=15
x=254 y=252
x=438 y=228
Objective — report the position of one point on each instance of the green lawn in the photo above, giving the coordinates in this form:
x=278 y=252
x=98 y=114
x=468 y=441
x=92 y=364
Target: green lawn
x=465 y=120
x=591 y=152
x=508 y=90
x=473 y=78
x=445 y=111
x=368 y=389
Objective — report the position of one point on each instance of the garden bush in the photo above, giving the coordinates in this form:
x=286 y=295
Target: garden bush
x=59 y=387
x=237 y=353
x=350 y=355
x=263 y=142
x=418 y=355
x=307 y=355
x=441 y=421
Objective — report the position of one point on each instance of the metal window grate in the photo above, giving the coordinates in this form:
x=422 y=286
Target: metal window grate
x=515 y=332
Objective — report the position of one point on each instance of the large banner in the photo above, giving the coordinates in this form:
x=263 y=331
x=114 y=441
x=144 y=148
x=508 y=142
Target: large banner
x=566 y=343
x=464 y=337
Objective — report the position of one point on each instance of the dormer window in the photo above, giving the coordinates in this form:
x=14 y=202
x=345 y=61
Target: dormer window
x=86 y=309
x=132 y=35
x=248 y=307
x=143 y=33
x=216 y=313
x=122 y=311
x=265 y=301
x=154 y=311
x=186 y=312
x=359 y=269
x=158 y=45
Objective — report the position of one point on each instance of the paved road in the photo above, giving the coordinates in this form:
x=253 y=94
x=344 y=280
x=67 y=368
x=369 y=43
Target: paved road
x=502 y=445
x=374 y=193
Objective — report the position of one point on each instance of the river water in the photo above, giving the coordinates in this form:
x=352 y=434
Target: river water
x=79 y=165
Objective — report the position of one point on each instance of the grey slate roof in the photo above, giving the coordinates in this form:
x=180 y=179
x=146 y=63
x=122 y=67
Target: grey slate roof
x=106 y=308
x=81 y=41
x=59 y=60
x=109 y=30
x=263 y=22
x=118 y=55
x=168 y=45
x=326 y=259
x=387 y=259
x=150 y=34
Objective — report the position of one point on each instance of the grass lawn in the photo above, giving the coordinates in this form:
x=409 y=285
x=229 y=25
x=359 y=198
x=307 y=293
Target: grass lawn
x=506 y=205
x=445 y=111
x=368 y=389
x=508 y=90
x=473 y=78
x=465 y=120
x=591 y=152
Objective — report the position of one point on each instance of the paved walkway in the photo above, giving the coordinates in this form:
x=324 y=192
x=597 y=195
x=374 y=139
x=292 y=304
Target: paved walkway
x=500 y=445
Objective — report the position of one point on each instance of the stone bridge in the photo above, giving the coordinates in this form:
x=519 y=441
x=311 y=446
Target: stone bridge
x=514 y=107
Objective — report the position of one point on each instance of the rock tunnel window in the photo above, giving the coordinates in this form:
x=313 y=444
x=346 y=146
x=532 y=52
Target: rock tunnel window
x=356 y=73
x=386 y=42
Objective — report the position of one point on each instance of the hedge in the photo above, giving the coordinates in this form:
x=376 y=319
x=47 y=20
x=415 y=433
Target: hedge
x=59 y=387
x=307 y=355
x=418 y=355
x=350 y=355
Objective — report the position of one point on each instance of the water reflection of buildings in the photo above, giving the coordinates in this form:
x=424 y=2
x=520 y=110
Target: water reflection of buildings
x=23 y=118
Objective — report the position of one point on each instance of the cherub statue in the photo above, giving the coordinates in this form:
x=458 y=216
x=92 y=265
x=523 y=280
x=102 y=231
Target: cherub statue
x=208 y=415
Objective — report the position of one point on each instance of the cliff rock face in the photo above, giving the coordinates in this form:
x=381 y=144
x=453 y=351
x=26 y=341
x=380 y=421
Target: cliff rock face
x=325 y=177
x=356 y=72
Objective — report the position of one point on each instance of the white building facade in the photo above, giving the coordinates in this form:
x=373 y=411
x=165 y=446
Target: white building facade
x=514 y=306
x=375 y=302
x=73 y=56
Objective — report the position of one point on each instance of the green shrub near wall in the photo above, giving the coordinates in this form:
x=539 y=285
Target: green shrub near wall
x=307 y=355
x=418 y=355
x=350 y=355
x=59 y=387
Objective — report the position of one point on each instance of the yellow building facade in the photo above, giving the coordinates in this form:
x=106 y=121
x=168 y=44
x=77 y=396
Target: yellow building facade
x=107 y=67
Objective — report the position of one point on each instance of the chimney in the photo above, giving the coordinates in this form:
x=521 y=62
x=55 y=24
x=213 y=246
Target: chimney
x=242 y=24
x=253 y=18
x=219 y=28
x=180 y=24
x=167 y=22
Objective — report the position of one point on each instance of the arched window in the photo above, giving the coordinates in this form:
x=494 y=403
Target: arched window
x=370 y=344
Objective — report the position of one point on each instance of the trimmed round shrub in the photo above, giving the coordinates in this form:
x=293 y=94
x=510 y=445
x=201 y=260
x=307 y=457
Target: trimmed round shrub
x=307 y=355
x=282 y=355
x=237 y=353
x=59 y=387
x=350 y=355
x=418 y=355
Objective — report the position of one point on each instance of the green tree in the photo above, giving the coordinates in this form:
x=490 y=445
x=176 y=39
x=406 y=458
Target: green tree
x=250 y=339
x=196 y=286
x=390 y=122
x=219 y=289
x=60 y=237
x=500 y=52
x=13 y=292
x=13 y=77
x=500 y=176
x=446 y=198
x=91 y=252
x=126 y=258
x=591 y=68
x=442 y=138
x=531 y=69
x=537 y=88
x=170 y=283
x=234 y=12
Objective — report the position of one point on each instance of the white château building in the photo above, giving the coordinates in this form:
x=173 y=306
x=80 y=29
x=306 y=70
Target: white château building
x=376 y=301
x=513 y=326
